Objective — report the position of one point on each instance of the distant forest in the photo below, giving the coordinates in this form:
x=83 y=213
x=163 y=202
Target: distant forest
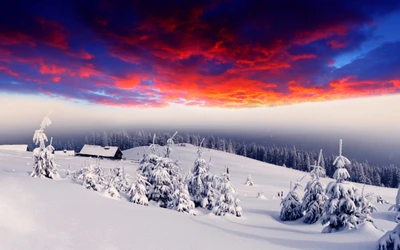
x=290 y=157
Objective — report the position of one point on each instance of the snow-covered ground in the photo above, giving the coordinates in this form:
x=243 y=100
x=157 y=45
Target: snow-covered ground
x=39 y=214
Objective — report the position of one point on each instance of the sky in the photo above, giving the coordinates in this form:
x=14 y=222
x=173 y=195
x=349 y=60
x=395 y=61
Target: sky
x=237 y=65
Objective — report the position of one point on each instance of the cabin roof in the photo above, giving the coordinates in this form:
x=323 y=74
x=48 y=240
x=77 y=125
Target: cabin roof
x=99 y=150
x=15 y=147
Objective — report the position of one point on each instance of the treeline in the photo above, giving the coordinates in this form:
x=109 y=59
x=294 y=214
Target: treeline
x=290 y=157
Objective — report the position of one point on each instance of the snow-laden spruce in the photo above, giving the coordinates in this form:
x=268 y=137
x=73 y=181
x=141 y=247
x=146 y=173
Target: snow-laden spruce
x=249 y=181
x=43 y=157
x=291 y=204
x=226 y=203
x=366 y=208
x=202 y=185
x=390 y=240
x=181 y=200
x=314 y=196
x=138 y=191
x=121 y=180
x=342 y=207
x=162 y=174
x=396 y=206
x=110 y=189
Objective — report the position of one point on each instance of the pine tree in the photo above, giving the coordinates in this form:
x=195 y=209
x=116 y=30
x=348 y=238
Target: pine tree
x=170 y=142
x=390 y=240
x=43 y=156
x=226 y=203
x=340 y=211
x=249 y=181
x=138 y=191
x=111 y=190
x=202 y=185
x=366 y=207
x=291 y=204
x=181 y=200
x=314 y=197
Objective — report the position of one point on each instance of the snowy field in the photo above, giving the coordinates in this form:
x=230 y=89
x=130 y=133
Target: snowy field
x=39 y=214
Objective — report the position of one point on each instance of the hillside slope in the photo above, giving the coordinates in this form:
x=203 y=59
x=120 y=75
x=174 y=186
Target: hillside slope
x=43 y=214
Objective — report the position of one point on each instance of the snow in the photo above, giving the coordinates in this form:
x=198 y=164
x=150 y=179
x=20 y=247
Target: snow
x=15 y=147
x=98 y=150
x=65 y=152
x=41 y=214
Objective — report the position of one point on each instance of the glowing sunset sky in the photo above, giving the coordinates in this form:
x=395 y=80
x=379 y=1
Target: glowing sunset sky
x=233 y=53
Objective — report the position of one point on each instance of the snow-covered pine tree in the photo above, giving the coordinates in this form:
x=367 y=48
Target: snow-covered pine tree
x=226 y=203
x=138 y=191
x=291 y=204
x=122 y=180
x=249 y=181
x=202 y=185
x=396 y=206
x=161 y=188
x=366 y=207
x=170 y=142
x=111 y=190
x=181 y=200
x=390 y=240
x=340 y=162
x=342 y=206
x=43 y=156
x=314 y=196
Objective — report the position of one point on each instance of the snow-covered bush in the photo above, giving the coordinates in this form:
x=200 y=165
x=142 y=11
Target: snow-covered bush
x=390 y=240
x=249 y=181
x=342 y=208
x=43 y=156
x=181 y=200
x=226 y=203
x=291 y=204
x=202 y=185
x=314 y=196
x=138 y=191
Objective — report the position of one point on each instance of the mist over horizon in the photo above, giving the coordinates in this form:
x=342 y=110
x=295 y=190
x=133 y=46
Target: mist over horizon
x=354 y=147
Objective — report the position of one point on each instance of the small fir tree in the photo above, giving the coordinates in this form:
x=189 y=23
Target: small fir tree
x=181 y=200
x=342 y=206
x=291 y=204
x=202 y=185
x=43 y=156
x=390 y=240
x=314 y=196
x=249 y=181
x=227 y=204
x=168 y=149
x=138 y=191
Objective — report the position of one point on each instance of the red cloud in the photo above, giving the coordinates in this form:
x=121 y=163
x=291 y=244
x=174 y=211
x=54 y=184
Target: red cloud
x=51 y=69
x=8 y=71
x=82 y=54
x=334 y=44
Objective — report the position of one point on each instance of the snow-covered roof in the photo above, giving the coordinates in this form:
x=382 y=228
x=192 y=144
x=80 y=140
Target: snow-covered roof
x=99 y=150
x=15 y=147
x=64 y=152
